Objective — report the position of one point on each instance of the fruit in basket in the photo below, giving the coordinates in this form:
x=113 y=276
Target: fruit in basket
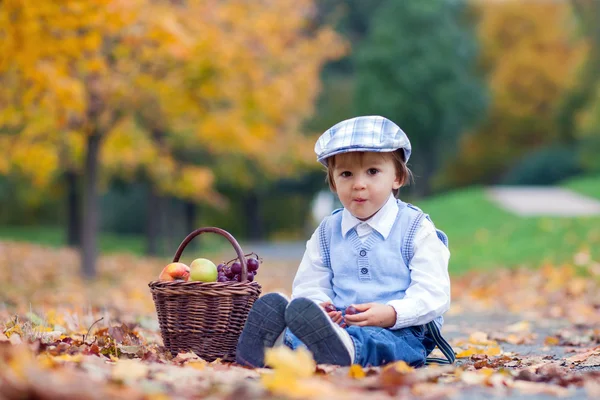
x=175 y=271
x=231 y=271
x=236 y=268
x=203 y=270
x=252 y=264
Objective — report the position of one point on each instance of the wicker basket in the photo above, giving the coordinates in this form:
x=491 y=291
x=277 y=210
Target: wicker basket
x=204 y=317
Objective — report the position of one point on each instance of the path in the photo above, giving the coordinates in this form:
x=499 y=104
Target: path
x=543 y=201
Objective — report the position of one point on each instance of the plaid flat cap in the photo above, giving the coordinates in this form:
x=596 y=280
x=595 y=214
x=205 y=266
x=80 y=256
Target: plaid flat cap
x=367 y=133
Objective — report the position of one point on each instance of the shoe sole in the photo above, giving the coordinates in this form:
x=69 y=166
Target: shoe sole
x=265 y=323
x=309 y=323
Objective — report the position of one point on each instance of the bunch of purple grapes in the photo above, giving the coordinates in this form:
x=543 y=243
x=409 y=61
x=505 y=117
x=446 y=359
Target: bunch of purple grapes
x=231 y=271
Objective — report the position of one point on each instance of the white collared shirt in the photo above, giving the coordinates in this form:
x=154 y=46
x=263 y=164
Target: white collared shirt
x=428 y=295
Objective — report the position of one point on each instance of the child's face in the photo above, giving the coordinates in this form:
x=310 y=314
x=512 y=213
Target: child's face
x=364 y=181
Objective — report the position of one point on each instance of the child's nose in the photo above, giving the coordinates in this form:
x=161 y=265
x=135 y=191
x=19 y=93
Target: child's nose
x=359 y=183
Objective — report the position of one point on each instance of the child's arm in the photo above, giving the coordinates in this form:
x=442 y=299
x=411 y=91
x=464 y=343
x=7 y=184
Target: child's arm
x=428 y=295
x=313 y=279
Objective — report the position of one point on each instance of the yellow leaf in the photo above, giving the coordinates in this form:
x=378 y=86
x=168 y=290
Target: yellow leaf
x=68 y=358
x=356 y=372
x=523 y=326
x=551 y=341
x=199 y=365
x=296 y=363
x=490 y=351
x=400 y=366
x=467 y=352
x=12 y=328
x=480 y=338
x=292 y=370
x=129 y=370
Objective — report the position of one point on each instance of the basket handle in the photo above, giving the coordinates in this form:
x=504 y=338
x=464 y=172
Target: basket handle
x=227 y=235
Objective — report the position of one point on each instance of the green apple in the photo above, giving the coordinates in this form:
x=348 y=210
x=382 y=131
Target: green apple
x=203 y=270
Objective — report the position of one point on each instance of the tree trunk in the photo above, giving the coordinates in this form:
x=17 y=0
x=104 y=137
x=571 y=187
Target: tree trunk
x=91 y=210
x=190 y=218
x=254 y=227
x=73 y=211
x=170 y=227
x=153 y=223
x=191 y=214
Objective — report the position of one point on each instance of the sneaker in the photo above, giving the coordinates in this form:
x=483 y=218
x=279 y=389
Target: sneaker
x=328 y=342
x=265 y=323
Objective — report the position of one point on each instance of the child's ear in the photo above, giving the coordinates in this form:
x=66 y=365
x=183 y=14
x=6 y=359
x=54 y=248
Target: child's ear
x=397 y=182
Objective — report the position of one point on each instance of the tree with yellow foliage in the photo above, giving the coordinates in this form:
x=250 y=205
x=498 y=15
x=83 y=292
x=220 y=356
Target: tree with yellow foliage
x=119 y=83
x=531 y=54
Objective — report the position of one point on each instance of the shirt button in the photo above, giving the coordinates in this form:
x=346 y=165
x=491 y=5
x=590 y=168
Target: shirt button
x=364 y=271
x=363 y=253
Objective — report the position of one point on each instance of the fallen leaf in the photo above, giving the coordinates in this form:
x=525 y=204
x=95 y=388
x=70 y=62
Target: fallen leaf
x=540 y=388
x=523 y=326
x=356 y=372
x=399 y=366
x=128 y=371
x=296 y=363
x=578 y=358
x=592 y=361
x=489 y=351
x=551 y=341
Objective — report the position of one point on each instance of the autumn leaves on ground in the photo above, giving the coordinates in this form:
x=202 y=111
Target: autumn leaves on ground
x=514 y=332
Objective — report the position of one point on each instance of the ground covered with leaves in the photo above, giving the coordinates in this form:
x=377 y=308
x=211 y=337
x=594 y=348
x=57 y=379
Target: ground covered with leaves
x=518 y=333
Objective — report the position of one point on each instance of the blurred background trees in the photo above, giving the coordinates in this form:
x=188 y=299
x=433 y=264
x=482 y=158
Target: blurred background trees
x=151 y=118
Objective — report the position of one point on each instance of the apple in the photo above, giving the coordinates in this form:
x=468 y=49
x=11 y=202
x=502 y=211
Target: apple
x=175 y=271
x=203 y=270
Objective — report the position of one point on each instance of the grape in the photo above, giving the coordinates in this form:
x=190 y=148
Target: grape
x=330 y=308
x=351 y=310
x=222 y=278
x=236 y=268
x=250 y=276
x=220 y=267
x=252 y=264
x=221 y=274
x=228 y=272
x=236 y=278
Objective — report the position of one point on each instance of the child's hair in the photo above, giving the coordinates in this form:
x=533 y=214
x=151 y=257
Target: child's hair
x=402 y=170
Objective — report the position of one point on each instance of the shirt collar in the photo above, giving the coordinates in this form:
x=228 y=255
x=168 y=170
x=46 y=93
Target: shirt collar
x=382 y=221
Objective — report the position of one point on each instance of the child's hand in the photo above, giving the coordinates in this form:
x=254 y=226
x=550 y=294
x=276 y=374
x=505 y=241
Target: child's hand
x=334 y=314
x=372 y=314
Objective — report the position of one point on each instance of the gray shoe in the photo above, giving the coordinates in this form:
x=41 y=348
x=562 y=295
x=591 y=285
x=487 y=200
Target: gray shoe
x=311 y=325
x=265 y=323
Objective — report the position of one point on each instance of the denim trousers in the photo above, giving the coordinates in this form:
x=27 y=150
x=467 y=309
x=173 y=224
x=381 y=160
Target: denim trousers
x=375 y=346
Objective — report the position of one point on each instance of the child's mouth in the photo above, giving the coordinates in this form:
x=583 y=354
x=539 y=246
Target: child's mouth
x=360 y=200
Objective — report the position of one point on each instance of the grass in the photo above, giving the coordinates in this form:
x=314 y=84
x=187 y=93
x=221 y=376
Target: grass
x=483 y=236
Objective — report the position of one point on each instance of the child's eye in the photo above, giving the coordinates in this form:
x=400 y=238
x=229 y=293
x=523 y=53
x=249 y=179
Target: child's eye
x=372 y=171
x=346 y=174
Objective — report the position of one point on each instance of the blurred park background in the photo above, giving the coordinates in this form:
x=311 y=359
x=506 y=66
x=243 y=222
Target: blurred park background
x=125 y=125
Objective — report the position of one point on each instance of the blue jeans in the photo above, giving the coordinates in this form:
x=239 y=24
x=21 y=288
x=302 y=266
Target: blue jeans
x=374 y=346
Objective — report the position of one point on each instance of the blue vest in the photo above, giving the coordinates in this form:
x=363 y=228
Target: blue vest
x=376 y=270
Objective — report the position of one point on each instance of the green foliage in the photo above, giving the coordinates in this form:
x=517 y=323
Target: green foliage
x=546 y=166
x=589 y=148
x=587 y=185
x=483 y=236
x=417 y=66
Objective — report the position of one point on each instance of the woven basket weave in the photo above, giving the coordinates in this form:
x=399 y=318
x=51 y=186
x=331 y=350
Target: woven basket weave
x=204 y=317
